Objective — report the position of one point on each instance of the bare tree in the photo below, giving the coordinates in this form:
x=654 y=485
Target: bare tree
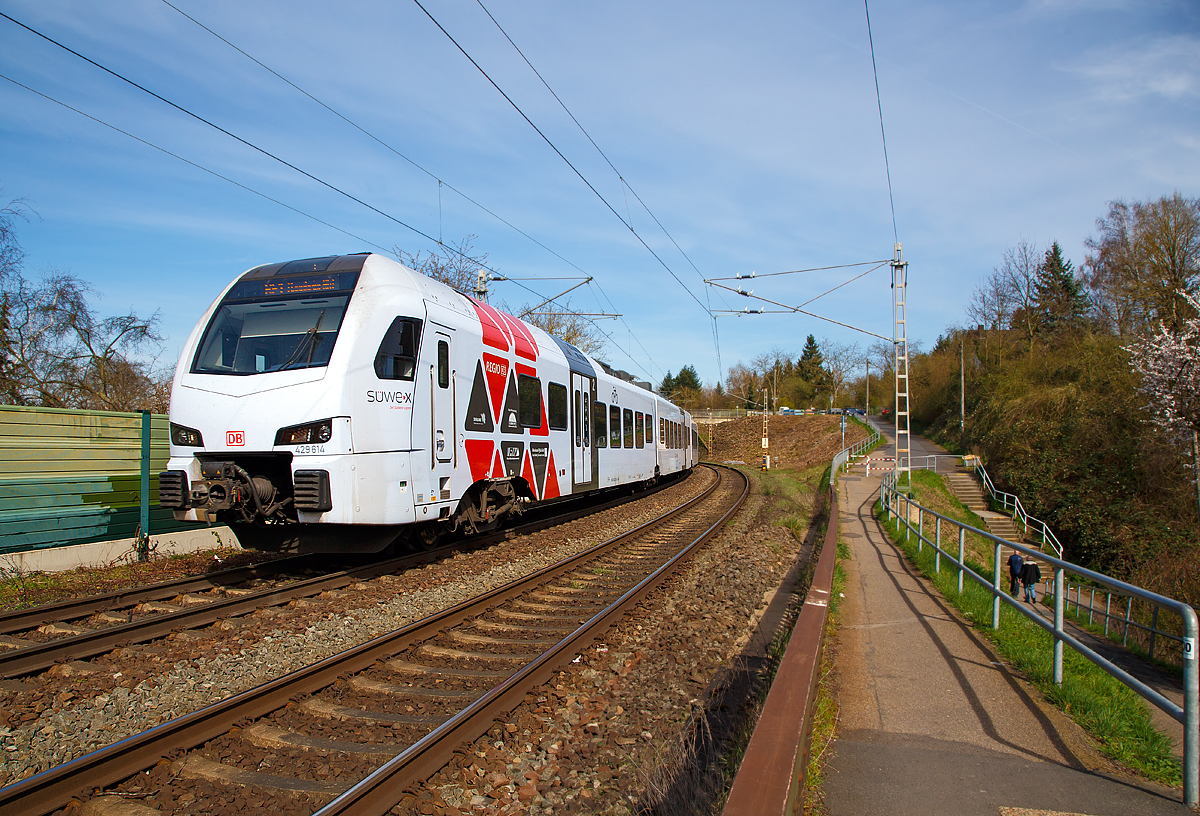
x=563 y=323
x=1145 y=261
x=12 y=256
x=1019 y=276
x=842 y=361
x=455 y=265
x=991 y=304
x=59 y=353
x=742 y=384
x=1110 y=271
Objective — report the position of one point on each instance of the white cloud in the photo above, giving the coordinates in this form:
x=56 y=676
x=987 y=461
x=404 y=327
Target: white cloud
x=1167 y=67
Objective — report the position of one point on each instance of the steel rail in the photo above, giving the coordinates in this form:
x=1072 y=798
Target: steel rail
x=18 y=620
x=379 y=792
x=55 y=787
x=41 y=656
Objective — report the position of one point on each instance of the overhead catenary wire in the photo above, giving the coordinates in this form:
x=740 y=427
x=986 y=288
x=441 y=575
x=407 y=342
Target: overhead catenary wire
x=441 y=182
x=879 y=103
x=194 y=164
x=560 y=154
x=624 y=184
x=258 y=149
x=796 y=309
x=740 y=276
x=377 y=140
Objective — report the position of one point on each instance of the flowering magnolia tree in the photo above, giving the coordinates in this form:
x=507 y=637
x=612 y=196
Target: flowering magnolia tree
x=1170 y=367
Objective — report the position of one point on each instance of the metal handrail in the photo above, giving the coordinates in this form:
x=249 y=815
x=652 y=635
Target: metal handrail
x=843 y=457
x=1117 y=621
x=1188 y=714
x=1012 y=504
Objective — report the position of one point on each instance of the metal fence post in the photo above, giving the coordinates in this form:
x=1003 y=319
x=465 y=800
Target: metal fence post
x=907 y=516
x=996 y=587
x=143 y=536
x=937 y=544
x=1128 y=612
x=1191 y=712
x=1107 y=609
x=962 y=546
x=1058 y=626
x=1153 y=629
x=920 y=527
x=1091 y=604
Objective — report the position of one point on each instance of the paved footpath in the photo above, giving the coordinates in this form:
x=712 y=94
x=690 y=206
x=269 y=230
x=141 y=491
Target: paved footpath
x=933 y=722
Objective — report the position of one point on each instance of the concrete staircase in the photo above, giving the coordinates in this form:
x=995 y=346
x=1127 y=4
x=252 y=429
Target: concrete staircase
x=970 y=492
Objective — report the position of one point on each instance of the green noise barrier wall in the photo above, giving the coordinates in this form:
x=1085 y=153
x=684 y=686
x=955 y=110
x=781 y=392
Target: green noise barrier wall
x=74 y=477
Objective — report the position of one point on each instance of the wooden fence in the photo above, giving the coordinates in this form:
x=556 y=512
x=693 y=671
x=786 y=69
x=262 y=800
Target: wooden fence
x=74 y=477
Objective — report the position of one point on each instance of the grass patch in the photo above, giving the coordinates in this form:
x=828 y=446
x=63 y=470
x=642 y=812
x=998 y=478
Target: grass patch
x=1113 y=714
x=825 y=706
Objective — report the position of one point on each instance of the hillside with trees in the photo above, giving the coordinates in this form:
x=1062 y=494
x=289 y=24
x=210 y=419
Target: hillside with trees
x=1081 y=389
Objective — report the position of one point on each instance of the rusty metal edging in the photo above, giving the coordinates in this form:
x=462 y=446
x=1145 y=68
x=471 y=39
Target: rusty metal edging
x=771 y=777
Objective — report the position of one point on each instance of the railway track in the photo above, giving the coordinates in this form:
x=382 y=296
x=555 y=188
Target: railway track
x=33 y=640
x=359 y=727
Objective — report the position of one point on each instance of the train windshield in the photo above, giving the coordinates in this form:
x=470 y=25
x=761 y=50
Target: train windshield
x=275 y=324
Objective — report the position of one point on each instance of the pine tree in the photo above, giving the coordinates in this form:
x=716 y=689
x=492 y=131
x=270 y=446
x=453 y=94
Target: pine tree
x=1061 y=304
x=688 y=378
x=812 y=362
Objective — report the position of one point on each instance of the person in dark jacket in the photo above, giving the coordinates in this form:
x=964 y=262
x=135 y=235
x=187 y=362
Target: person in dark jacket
x=1031 y=573
x=1014 y=571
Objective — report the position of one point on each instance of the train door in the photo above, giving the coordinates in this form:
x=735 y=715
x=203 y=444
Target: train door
x=582 y=389
x=441 y=413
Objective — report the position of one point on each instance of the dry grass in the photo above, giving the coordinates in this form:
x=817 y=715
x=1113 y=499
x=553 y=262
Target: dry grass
x=21 y=589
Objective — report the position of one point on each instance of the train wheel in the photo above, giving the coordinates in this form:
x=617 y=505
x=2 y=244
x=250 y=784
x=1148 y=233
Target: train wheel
x=428 y=536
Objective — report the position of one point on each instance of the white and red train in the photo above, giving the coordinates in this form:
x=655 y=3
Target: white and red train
x=336 y=404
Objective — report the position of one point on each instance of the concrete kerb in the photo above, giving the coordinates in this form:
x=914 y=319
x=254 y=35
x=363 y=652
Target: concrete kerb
x=106 y=553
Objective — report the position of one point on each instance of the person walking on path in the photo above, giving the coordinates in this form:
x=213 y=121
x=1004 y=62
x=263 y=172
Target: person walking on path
x=1031 y=573
x=1014 y=572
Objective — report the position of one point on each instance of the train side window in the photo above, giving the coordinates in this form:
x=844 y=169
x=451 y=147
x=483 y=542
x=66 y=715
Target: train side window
x=649 y=430
x=529 y=401
x=600 y=424
x=614 y=426
x=628 y=427
x=443 y=364
x=556 y=406
x=662 y=431
x=396 y=358
x=639 y=425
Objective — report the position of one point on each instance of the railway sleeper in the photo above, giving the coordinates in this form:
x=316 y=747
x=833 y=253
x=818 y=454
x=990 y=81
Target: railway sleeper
x=378 y=687
x=496 y=626
x=332 y=711
x=267 y=736
x=405 y=667
x=197 y=767
x=487 y=640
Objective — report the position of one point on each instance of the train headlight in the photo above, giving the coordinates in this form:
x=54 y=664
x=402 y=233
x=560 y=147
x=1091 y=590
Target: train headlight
x=307 y=434
x=187 y=437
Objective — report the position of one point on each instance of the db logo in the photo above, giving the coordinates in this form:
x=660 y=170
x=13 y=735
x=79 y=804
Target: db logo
x=235 y=439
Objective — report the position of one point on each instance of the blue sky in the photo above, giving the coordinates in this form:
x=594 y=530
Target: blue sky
x=750 y=130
